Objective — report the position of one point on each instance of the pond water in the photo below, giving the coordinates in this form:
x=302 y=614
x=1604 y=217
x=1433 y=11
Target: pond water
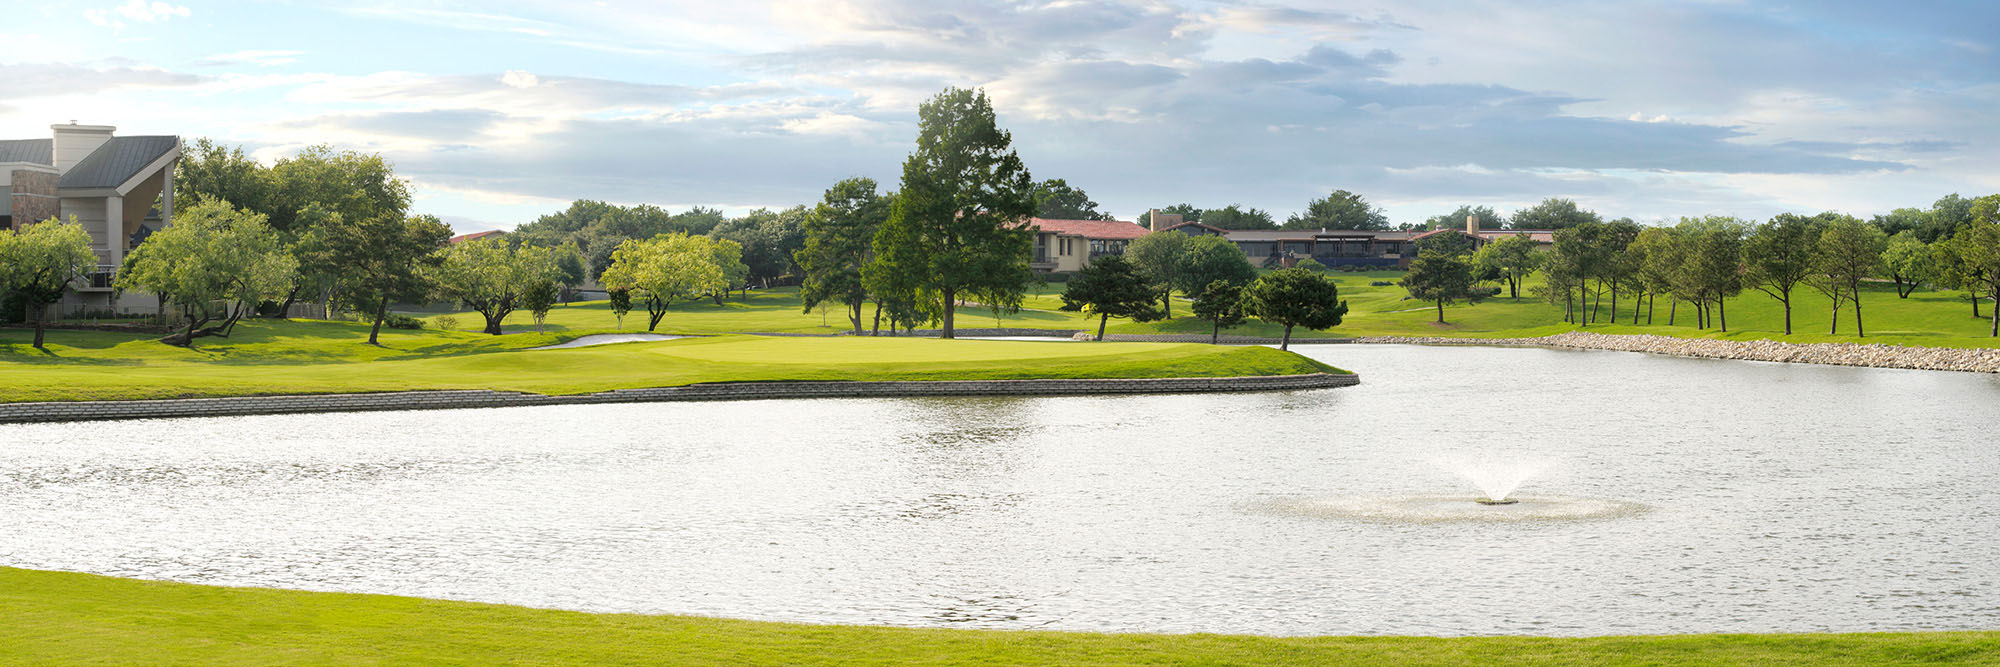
x=608 y=339
x=1660 y=495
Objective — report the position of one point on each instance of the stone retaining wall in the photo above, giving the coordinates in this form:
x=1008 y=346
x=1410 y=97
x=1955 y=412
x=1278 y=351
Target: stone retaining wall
x=1974 y=360
x=728 y=391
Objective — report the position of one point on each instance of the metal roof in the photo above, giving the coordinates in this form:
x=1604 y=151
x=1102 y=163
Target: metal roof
x=117 y=161
x=38 y=151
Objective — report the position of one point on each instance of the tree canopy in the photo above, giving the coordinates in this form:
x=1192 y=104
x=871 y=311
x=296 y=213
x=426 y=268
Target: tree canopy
x=838 y=236
x=216 y=262
x=1488 y=218
x=1056 y=200
x=1552 y=213
x=1339 y=210
x=1295 y=298
x=489 y=275
x=1442 y=279
x=1110 y=287
x=39 y=262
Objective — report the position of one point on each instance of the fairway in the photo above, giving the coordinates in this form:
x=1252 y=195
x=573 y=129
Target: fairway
x=80 y=619
x=282 y=357
x=1927 y=318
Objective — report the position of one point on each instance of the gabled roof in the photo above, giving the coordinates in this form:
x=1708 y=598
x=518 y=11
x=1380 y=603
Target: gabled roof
x=1091 y=229
x=1212 y=228
x=38 y=151
x=117 y=161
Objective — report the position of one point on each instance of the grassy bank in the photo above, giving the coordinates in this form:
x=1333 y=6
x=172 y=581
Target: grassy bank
x=1929 y=318
x=265 y=357
x=77 y=619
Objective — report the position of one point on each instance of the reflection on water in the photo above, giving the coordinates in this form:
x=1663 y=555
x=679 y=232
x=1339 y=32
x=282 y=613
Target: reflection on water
x=1719 y=496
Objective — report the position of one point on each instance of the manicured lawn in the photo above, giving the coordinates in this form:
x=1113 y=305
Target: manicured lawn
x=78 y=619
x=1929 y=318
x=265 y=357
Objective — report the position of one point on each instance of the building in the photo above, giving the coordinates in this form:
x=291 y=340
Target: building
x=121 y=189
x=461 y=238
x=1273 y=248
x=1066 y=246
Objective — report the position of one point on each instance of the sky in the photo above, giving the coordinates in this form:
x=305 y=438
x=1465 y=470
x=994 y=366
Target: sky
x=500 y=111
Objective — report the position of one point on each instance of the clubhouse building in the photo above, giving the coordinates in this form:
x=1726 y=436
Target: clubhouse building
x=121 y=189
x=1065 y=246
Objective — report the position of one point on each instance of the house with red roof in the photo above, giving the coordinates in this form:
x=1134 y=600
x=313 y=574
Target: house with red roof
x=461 y=238
x=1066 y=246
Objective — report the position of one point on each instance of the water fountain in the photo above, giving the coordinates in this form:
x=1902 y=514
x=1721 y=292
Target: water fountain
x=1496 y=479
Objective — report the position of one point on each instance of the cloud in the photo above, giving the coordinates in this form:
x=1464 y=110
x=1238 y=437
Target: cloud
x=29 y=80
x=258 y=58
x=134 y=10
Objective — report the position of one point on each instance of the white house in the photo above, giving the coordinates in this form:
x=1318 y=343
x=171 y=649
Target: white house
x=119 y=188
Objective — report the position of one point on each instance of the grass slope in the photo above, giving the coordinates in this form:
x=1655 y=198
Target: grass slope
x=265 y=357
x=1941 y=319
x=79 y=619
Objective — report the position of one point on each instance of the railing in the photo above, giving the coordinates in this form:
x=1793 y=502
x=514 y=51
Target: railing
x=103 y=277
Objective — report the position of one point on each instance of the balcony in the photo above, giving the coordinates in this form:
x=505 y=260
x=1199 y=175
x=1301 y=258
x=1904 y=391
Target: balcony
x=102 y=278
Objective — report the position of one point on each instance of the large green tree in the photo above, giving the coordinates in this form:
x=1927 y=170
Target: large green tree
x=1712 y=266
x=1554 y=213
x=1908 y=261
x=769 y=239
x=963 y=199
x=1160 y=259
x=1513 y=258
x=490 y=275
x=1976 y=248
x=1057 y=200
x=39 y=262
x=1234 y=216
x=1207 y=259
x=1110 y=287
x=215 y=263
x=1847 y=252
x=838 y=238
x=1295 y=297
x=1339 y=210
x=1441 y=279
x=1221 y=304
x=1778 y=257
x=1488 y=218
x=385 y=260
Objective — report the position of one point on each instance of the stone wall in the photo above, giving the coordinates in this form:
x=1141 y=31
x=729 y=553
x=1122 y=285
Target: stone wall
x=732 y=391
x=34 y=196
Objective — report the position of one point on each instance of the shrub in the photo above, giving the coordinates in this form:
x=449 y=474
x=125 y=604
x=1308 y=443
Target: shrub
x=396 y=321
x=445 y=322
x=1382 y=283
x=1310 y=264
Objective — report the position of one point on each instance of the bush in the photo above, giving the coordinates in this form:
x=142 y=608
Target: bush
x=1486 y=292
x=396 y=321
x=1382 y=283
x=445 y=322
x=1310 y=264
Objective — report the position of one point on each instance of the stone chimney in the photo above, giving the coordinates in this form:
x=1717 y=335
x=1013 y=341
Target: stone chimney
x=1472 y=224
x=1156 y=221
x=75 y=142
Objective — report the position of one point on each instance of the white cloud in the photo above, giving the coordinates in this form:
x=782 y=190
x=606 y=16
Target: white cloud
x=253 y=57
x=134 y=10
x=519 y=79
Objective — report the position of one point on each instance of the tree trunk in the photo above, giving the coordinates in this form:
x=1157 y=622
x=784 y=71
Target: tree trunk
x=492 y=323
x=1673 y=308
x=39 y=310
x=1440 y=303
x=381 y=311
x=950 y=308
x=1975 y=306
x=1994 y=329
x=1835 y=327
x=1614 y=302
x=1167 y=304
x=1215 y=335
x=1651 y=303
x=656 y=310
x=854 y=315
x=1858 y=331
x=1514 y=286
x=1101 y=321
x=878 y=321
x=1286 y=343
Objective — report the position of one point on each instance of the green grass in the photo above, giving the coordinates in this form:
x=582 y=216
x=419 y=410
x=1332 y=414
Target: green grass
x=266 y=357
x=80 y=619
x=1938 y=319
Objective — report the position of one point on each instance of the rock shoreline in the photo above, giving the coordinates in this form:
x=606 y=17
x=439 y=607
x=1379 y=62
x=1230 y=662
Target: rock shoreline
x=1876 y=355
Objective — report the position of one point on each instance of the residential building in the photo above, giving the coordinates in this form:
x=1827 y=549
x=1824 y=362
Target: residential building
x=1274 y=248
x=121 y=189
x=1066 y=246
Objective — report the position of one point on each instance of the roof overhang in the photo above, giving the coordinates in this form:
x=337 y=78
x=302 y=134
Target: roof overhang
x=30 y=166
x=158 y=164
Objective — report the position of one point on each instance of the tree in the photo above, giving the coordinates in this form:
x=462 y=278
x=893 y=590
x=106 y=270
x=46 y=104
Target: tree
x=621 y=304
x=1160 y=259
x=1310 y=264
x=1712 y=266
x=1576 y=259
x=1234 y=217
x=1295 y=298
x=384 y=260
x=570 y=269
x=1908 y=262
x=1955 y=271
x=1778 y=256
x=319 y=181
x=1442 y=279
x=215 y=262
x=1110 y=287
x=768 y=239
x=1847 y=252
x=838 y=235
x=1488 y=218
x=39 y=262
x=1450 y=242
x=1903 y=220
x=1206 y=259
x=1221 y=303
x=1977 y=247
x=1339 y=210
x=1513 y=258
x=490 y=276
x=1553 y=213
x=1946 y=215
x=727 y=256
x=211 y=170
x=1056 y=200
x=1658 y=252
x=540 y=296
x=668 y=268
x=964 y=196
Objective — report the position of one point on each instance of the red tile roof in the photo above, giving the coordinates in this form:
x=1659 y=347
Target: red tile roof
x=1091 y=229
x=461 y=238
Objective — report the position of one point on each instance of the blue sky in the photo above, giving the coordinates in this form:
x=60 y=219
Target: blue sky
x=500 y=111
